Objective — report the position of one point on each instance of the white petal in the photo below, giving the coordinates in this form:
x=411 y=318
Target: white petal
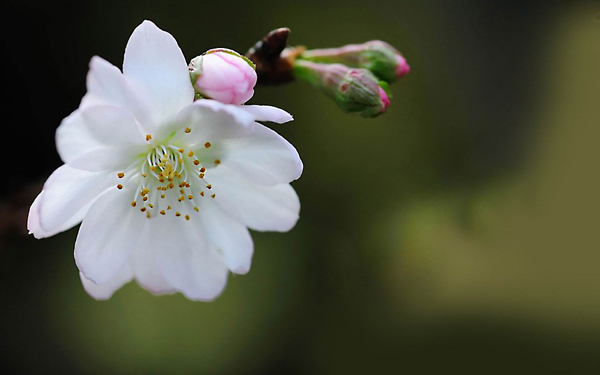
x=185 y=259
x=106 y=290
x=99 y=137
x=229 y=236
x=263 y=157
x=268 y=113
x=108 y=233
x=154 y=61
x=33 y=220
x=260 y=207
x=107 y=85
x=67 y=192
x=210 y=120
x=144 y=261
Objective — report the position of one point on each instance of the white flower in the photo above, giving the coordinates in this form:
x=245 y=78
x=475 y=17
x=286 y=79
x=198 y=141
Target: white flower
x=166 y=187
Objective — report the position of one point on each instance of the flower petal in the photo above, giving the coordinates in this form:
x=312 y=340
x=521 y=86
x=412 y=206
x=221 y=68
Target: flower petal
x=263 y=157
x=33 y=220
x=229 y=236
x=186 y=260
x=106 y=290
x=260 y=207
x=108 y=233
x=154 y=61
x=209 y=120
x=66 y=193
x=268 y=113
x=144 y=261
x=100 y=137
x=107 y=85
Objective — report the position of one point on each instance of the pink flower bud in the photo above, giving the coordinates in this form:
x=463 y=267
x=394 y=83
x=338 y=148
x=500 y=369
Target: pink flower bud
x=403 y=68
x=385 y=100
x=223 y=75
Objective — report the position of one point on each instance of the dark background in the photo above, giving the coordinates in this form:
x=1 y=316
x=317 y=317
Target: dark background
x=458 y=231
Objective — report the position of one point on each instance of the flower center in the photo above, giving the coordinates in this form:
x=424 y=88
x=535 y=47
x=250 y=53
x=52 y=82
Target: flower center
x=171 y=181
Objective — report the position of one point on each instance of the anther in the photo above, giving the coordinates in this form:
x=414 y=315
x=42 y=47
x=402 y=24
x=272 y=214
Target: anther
x=162 y=212
x=213 y=196
x=217 y=162
x=180 y=150
x=209 y=186
x=145 y=198
x=177 y=214
x=201 y=175
x=201 y=193
x=196 y=162
x=190 y=197
x=196 y=209
x=143 y=209
x=187 y=130
x=191 y=153
x=202 y=169
x=187 y=217
x=150 y=205
x=133 y=204
x=148 y=137
x=119 y=186
x=120 y=174
x=207 y=144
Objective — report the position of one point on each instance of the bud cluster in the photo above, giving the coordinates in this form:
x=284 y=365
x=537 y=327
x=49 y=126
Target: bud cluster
x=355 y=76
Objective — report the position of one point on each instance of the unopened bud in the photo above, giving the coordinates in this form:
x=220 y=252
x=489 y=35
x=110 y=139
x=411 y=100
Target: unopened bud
x=379 y=57
x=224 y=75
x=354 y=90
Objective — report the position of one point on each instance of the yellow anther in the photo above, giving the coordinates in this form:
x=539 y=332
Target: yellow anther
x=191 y=153
x=187 y=217
x=187 y=130
x=207 y=144
x=144 y=175
x=196 y=209
x=148 y=137
x=180 y=150
x=201 y=193
x=143 y=209
x=145 y=191
x=133 y=204
x=153 y=168
x=150 y=205
x=119 y=186
x=120 y=174
x=145 y=198
x=209 y=186
x=190 y=197
x=177 y=214
x=201 y=175
x=162 y=195
x=202 y=169
x=213 y=196
x=196 y=162
x=162 y=212
x=217 y=162
x=168 y=207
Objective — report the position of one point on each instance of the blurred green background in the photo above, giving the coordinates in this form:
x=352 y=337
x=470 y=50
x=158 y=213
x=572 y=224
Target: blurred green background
x=459 y=231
